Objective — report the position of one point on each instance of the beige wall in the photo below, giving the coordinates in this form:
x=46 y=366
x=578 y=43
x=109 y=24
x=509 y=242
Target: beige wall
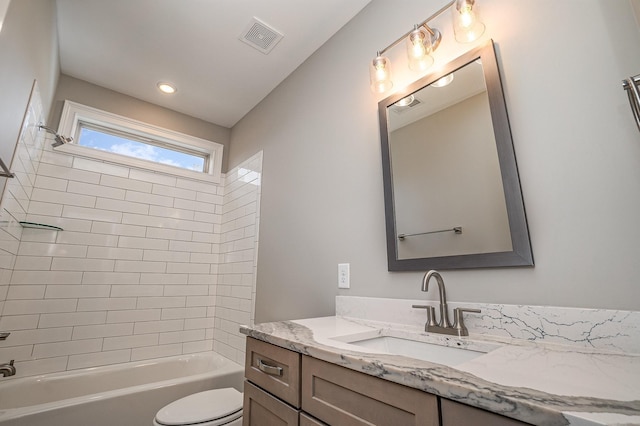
x=85 y=93
x=28 y=51
x=577 y=147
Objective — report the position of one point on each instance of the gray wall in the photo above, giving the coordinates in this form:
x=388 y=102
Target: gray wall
x=28 y=51
x=73 y=89
x=577 y=147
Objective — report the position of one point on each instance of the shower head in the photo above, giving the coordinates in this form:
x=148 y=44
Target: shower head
x=59 y=139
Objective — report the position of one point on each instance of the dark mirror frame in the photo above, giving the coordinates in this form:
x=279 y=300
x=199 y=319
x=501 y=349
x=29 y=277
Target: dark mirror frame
x=521 y=253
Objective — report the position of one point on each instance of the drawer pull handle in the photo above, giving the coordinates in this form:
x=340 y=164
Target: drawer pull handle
x=269 y=369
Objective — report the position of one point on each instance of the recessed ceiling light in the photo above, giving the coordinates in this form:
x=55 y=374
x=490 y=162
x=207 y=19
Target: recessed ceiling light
x=406 y=101
x=167 y=87
x=444 y=81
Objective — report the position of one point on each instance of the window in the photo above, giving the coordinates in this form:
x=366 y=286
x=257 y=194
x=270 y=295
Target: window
x=131 y=146
x=109 y=137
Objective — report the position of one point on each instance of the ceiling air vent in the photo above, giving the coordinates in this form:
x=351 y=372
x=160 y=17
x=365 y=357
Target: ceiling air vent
x=260 y=36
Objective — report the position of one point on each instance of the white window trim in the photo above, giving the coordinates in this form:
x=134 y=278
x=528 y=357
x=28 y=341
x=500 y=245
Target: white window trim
x=73 y=114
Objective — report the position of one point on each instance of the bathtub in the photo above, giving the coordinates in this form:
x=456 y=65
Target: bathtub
x=122 y=395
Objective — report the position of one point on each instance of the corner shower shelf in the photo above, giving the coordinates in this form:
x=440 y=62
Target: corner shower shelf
x=32 y=225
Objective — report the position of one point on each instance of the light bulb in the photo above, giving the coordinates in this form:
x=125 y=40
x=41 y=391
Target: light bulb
x=380 y=74
x=467 y=17
x=466 y=22
x=418 y=49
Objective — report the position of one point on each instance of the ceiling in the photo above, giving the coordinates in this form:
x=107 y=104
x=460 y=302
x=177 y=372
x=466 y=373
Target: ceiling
x=130 y=45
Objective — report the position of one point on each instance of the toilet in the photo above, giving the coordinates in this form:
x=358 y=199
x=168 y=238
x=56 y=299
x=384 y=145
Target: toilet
x=217 y=407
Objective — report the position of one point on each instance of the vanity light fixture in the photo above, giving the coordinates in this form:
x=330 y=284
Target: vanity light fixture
x=167 y=88
x=423 y=40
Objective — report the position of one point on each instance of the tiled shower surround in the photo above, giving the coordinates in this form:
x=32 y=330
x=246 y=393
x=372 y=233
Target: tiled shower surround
x=148 y=264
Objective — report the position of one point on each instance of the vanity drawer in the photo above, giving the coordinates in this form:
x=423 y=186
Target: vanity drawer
x=339 y=396
x=263 y=409
x=307 y=420
x=274 y=369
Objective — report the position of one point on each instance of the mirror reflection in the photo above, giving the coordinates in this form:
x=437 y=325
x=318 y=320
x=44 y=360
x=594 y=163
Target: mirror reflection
x=452 y=192
x=445 y=163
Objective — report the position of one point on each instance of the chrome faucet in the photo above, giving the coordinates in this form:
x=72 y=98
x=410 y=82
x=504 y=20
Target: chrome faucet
x=443 y=326
x=7 y=369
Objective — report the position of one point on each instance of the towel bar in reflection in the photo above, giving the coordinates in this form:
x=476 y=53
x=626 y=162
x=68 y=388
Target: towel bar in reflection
x=631 y=86
x=456 y=230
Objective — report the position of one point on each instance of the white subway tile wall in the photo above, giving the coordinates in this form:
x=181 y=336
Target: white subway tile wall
x=238 y=248
x=14 y=206
x=148 y=265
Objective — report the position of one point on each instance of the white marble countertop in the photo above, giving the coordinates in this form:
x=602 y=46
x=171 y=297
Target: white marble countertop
x=538 y=383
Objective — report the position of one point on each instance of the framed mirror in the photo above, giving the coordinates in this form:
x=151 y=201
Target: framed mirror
x=451 y=186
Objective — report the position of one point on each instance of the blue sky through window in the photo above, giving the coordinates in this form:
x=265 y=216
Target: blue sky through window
x=106 y=142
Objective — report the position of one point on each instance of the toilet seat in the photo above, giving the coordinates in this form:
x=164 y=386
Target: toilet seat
x=211 y=408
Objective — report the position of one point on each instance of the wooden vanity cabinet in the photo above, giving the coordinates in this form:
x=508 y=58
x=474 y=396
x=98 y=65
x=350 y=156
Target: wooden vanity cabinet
x=274 y=369
x=285 y=388
x=307 y=420
x=272 y=385
x=262 y=408
x=339 y=396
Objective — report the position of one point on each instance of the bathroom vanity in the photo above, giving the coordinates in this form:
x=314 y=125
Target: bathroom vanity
x=333 y=371
x=287 y=388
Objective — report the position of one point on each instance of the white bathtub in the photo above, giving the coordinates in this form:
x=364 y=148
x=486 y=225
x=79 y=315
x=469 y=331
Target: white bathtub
x=122 y=395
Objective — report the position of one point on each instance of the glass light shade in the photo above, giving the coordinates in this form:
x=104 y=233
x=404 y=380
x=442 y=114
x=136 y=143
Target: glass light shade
x=380 y=74
x=467 y=25
x=419 y=49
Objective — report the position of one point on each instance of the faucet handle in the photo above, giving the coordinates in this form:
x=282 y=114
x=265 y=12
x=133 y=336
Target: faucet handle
x=431 y=315
x=458 y=320
x=475 y=311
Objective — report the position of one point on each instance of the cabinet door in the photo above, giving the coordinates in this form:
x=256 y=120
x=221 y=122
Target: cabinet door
x=456 y=414
x=307 y=420
x=262 y=409
x=342 y=397
x=274 y=369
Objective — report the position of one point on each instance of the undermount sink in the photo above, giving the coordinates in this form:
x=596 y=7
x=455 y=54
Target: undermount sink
x=426 y=351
